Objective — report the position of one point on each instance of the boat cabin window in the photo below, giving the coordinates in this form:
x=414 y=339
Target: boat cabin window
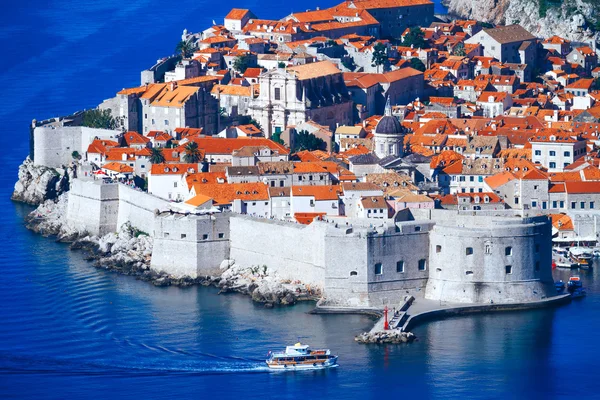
x=508 y=251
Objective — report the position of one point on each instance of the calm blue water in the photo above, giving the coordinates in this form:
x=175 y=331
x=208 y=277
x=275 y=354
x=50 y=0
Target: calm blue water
x=69 y=330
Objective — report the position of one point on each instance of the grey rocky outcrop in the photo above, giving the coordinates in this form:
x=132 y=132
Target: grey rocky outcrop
x=572 y=19
x=381 y=337
x=263 y=286
x=37 y=183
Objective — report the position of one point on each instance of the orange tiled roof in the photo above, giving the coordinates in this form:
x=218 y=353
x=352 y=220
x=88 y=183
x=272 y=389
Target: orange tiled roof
x=118 y=167
x=226 y=193
x=173 y=169
x=318 y=192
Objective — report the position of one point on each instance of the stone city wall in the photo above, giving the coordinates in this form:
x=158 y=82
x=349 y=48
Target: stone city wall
x=294 y=251
x=93 y=206
x=102 y=208
x=485 y=260
x=53 y=146
x=193 y=245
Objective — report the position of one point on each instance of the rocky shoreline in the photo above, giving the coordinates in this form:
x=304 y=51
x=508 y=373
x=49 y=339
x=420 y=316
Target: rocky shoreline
x=37 y=184
x=129 y=252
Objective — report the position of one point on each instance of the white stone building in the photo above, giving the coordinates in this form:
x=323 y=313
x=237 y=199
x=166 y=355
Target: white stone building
x=555 y=151
x=314 y=91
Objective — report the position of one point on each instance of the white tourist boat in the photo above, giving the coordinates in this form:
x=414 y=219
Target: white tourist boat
x=582 y=256
x=301 y=357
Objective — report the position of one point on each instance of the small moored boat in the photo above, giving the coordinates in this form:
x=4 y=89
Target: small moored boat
x=301 y=357
x=575 y=287
x=560 y=286
x=582 y=256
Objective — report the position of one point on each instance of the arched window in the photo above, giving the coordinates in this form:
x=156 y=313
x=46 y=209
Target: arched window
x=353 y=273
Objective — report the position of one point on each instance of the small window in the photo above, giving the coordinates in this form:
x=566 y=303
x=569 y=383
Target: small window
x=573 y=205
x=508 y=269
x=567 y=154
x=378 y=269
x=166 y=234
x=221 y=235
x=469 y=251
x=508 y=251
x=591 y=205
x=582 y=205
x=422 y=264
x=552 y=165
x=417 y=229
x=400 y=266
x=353 y=273
x=537 y=265
x=205 y=237
x=488 y=249
x=538 y=152
x=552 y=153
x=438 y=249
x=468 y=272
x=277 y=94
x=183 y=235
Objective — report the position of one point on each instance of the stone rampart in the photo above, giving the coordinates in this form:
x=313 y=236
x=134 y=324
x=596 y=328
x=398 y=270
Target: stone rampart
x=53 y=146
x=490 y=260
x=138 y=208
x=93 y=206
x=294 y=251
x=193 y=245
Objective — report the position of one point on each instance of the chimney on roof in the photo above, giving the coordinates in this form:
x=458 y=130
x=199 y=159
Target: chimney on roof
x=172 y=85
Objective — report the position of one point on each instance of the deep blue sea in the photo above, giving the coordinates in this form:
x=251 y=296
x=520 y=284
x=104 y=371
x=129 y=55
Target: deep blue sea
x=68 y=330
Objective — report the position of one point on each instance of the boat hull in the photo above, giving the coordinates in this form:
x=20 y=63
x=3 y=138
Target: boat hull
x=330 y=363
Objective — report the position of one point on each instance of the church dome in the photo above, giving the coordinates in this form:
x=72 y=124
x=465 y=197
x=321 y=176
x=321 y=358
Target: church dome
x=388 y=125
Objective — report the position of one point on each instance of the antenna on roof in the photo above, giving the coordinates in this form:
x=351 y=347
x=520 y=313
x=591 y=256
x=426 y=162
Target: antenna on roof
x=388 y=107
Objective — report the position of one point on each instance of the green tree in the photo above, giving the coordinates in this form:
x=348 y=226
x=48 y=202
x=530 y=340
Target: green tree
x=417 y=64
x=416 y=38
x=459 y=50
x=308 y=141
x=379 y=55
x=157 y=156
x=192 y=153
x=348 y=63
x=276 y=137
x=76 y=155
x=185 y=48
x=281 y=64
x=101 y=119
x=242 y=63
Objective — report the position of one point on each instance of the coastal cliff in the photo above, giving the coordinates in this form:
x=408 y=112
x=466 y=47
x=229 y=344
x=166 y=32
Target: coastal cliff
x=575 y=20
x=37 y=184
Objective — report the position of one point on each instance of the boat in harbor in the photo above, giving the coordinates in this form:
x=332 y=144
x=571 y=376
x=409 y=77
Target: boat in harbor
x=575 y=287
x=301 y=357
x=582 y=256
x=560 y=286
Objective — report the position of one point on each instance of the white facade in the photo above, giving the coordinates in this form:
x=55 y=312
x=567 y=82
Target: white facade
x=556 y=155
